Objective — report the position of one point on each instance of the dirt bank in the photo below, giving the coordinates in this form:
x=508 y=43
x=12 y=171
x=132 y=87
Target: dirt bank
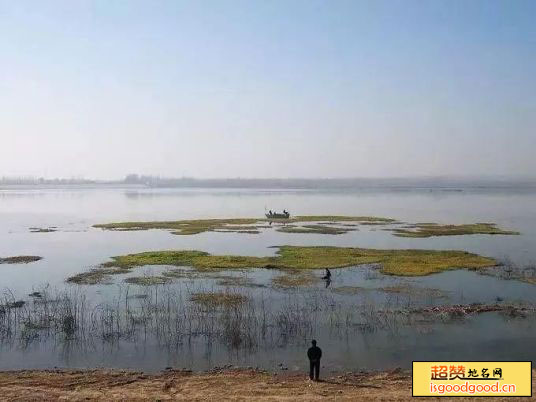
x=216 y=385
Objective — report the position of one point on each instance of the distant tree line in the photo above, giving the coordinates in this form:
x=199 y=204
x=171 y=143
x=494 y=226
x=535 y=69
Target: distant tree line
x=331 y=183
x=443 y=183
x=29 y=180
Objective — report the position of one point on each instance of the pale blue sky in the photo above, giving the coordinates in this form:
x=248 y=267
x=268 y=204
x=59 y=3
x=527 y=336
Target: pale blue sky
x=267 y=88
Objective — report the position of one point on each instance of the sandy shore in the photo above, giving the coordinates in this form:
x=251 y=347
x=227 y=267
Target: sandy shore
x=209 y=386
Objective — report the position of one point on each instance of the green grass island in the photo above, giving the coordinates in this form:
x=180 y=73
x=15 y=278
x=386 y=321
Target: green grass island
x=298 y=258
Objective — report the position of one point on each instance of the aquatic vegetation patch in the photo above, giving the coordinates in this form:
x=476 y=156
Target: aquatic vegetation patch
x=193 y=274
x=126 y=229
x=181 y=274
x=222 y=280
x=462 y=310
x=341 y=218
x=93 y=277
x=350 y=290
x=402 y=289
x=222 y=262
x=218 y=299
x=147 y=280
x=236 y=225
x=392 y=262
x=422 y=230
x=103 y=321
x=226 y=316
x=21 y=259
x=322 y=226
x=245 y=231
x=177 y=258
x=187 y=227
x=295 y=279
x=509 y=270
x=375 y=223
x=314 y=229
x=200 y=260
x=96 y=276
x=409 y=290
x=238 y=281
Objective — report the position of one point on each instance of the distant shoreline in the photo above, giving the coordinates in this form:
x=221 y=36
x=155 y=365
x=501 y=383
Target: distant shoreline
x=334 y=184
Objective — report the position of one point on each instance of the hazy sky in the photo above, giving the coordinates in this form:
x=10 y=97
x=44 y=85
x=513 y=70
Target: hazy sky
x=266 y=88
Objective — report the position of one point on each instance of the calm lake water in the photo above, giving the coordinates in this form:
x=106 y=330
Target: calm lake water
x=339 y=323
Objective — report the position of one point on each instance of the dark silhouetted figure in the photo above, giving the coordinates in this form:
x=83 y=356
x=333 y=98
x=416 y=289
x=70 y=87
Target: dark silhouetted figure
x=327 y=277
x=314 y=354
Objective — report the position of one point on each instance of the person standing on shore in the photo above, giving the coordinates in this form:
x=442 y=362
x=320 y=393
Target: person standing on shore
x=314 y=354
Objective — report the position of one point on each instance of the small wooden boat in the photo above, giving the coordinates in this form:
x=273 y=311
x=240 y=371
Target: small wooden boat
x=276 y=215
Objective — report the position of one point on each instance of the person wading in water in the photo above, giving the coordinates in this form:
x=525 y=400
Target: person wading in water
x=314 y=354
x=327 y=277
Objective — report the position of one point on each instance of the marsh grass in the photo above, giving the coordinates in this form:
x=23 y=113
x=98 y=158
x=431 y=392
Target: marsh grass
x=238 y=281
x=422 y=230
x=234 y=281
x=218 y=299
x=508 y=270
x=375 y=318
x=376 y=223
x=341 y=218
x=173 y=317
x=187 y=227
x=458 y=311
x=184 y=274
x=61 y=316
x=171 y=258
x=314 y=229
x=147 y=280
x=402 y=289
x=164 y=314
x=295 y=279
x=392 y=262
x=168 y=276
x=244 y=231
x=253 y=226
x=236 y=225
x=413 y=291
x=97 y=276
x=350 y=290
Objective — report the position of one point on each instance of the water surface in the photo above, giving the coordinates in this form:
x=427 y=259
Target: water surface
x=76 y=246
